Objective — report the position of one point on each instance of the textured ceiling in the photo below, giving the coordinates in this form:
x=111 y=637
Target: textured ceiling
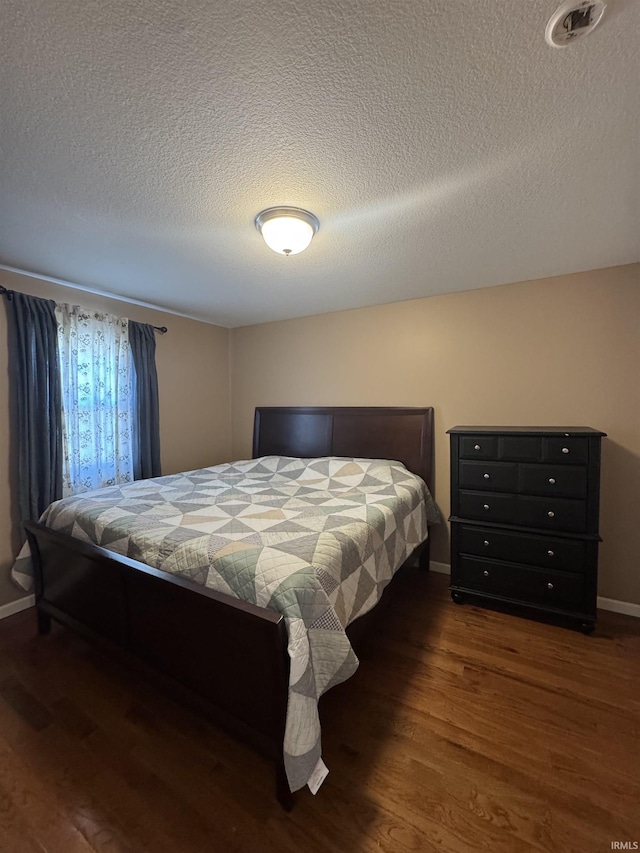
x=443 y=146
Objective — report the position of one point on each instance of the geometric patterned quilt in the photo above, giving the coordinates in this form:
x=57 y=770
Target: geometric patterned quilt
x=317 y=540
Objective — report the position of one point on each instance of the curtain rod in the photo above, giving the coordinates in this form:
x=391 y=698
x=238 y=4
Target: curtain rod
x=8 y=293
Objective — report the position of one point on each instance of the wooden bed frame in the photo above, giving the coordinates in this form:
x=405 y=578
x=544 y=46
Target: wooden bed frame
x=130 y=605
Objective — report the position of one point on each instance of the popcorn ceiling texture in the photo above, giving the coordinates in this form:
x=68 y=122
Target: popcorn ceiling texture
x=443 y=146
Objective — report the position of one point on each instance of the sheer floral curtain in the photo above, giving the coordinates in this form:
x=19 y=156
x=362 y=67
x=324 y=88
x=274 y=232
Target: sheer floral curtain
x=97 y=399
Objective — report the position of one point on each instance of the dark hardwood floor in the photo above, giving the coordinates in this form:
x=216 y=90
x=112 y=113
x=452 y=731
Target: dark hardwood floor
x=463 y=730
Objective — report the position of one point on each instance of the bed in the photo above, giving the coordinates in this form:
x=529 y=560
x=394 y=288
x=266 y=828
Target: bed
x=233 y=659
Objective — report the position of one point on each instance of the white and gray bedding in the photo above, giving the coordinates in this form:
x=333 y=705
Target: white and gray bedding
x=314 y=539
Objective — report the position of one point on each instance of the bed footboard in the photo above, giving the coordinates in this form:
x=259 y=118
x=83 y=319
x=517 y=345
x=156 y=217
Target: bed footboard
x=230 y=656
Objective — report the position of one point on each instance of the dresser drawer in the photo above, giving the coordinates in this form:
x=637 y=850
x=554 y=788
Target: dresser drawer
x=520 y=448
x=529 y=586
x=547 y=552
x=562 y=481
x=567 y=450
x=488 y=506
x=495 y=476
x=552 y=513
x=479 y=447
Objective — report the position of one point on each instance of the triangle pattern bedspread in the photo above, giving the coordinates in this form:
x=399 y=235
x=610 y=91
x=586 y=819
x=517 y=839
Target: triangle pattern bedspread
x=314 y=539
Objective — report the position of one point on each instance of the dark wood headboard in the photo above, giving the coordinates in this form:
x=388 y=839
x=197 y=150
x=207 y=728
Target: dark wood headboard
x=373 y=433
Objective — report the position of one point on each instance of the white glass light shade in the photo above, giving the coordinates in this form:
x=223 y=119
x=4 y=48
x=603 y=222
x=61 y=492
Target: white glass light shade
x=287 y=230
x=287 y=235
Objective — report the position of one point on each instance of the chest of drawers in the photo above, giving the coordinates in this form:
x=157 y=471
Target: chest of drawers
x=524 y=518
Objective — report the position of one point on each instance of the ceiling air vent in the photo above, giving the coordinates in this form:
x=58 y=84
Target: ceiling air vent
x=572 y=20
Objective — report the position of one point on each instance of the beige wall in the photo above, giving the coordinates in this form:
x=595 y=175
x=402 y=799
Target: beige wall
x=561 y=351
x=193 y=377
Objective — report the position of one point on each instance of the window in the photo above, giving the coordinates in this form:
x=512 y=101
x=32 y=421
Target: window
x=97 y=379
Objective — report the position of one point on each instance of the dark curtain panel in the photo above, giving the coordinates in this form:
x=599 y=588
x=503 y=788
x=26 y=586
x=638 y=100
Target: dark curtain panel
x=146 y=441
x=34 y=375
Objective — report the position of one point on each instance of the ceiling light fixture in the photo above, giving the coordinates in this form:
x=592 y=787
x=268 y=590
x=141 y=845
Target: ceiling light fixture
x=287 y=230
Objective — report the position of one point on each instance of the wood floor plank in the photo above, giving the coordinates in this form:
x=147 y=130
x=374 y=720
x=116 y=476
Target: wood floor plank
x=474 y=728
x=25 y=703
x=465 y=730
x=14 y=830
x=142 y=745
x=89 y=796
x=37 y=806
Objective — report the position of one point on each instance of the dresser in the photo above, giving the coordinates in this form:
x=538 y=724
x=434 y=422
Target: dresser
x=524 y=519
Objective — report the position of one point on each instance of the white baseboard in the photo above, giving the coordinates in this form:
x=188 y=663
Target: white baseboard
x=17 y=606
x=626 y=607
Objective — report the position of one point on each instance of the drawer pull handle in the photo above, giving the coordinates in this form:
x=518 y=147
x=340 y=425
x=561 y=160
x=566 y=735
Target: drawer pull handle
x=565 y=449
x=486 y=476
x=485 y=506
x=551 y=553
x=486 y=543
x=476 y=447
x=549 y=586
x=551 y=514
x=552 y=481
x=486 y=573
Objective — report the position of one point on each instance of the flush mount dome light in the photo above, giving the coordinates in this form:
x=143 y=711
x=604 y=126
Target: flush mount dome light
x=287 y=230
